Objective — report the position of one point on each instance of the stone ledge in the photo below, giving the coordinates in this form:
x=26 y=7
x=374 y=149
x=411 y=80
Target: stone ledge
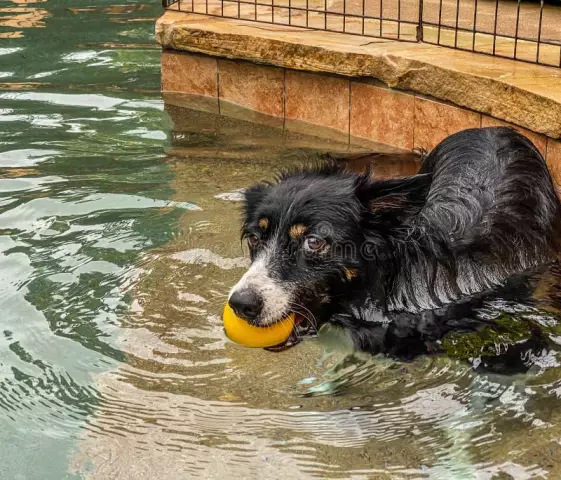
x=524 y=94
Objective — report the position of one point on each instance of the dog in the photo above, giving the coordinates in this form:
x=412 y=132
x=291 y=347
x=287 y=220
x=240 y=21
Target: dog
x=340 y=247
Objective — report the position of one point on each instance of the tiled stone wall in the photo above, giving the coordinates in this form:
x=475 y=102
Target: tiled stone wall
x=351 y=110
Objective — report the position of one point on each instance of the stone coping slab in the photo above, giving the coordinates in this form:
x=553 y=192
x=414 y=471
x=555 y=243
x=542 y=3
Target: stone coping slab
x=524 y=94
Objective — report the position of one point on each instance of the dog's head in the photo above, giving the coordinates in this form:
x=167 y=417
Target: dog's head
x=313 y=235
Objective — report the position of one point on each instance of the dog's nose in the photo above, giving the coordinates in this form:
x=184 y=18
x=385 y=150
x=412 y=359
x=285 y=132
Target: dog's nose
x=246 y=303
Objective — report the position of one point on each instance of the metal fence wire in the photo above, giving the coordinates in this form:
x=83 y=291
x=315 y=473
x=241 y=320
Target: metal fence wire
x=527 y=30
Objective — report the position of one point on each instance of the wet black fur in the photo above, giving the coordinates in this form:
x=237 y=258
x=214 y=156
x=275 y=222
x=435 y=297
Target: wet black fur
x=481 y=209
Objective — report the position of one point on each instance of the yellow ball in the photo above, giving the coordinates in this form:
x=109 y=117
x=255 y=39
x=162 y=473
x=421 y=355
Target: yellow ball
x=239 y=331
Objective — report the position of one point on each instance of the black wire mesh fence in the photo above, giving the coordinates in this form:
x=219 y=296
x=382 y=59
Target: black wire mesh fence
x=529 y=31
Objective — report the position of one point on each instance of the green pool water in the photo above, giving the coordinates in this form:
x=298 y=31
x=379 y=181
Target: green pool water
x=119 y=240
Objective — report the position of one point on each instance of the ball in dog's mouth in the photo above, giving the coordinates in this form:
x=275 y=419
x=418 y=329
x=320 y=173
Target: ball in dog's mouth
x=240 y=331
x=275 y=337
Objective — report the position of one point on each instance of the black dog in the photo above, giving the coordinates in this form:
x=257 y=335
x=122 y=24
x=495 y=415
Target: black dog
x=340 y=247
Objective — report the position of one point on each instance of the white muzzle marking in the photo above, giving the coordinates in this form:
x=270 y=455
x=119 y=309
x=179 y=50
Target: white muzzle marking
x=275 y=295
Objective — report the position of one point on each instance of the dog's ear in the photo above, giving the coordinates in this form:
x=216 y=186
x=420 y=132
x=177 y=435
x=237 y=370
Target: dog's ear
x=253 y=196
x=394 y=199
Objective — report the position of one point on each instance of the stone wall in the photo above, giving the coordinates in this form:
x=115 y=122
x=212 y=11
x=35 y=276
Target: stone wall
x=379 y=94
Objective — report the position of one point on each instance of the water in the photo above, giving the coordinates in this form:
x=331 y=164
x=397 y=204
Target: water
x=119 y=241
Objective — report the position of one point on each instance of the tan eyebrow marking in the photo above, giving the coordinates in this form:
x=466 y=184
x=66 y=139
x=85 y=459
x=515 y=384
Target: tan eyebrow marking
x=389 y=202
x=297 y=230
x=264 y=223
x=350 y=273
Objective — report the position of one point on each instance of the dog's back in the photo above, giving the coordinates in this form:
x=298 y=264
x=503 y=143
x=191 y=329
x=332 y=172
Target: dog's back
x=493 y=205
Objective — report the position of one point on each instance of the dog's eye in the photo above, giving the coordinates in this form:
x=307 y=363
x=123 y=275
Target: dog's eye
x=252 y=241
x=314 y=243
